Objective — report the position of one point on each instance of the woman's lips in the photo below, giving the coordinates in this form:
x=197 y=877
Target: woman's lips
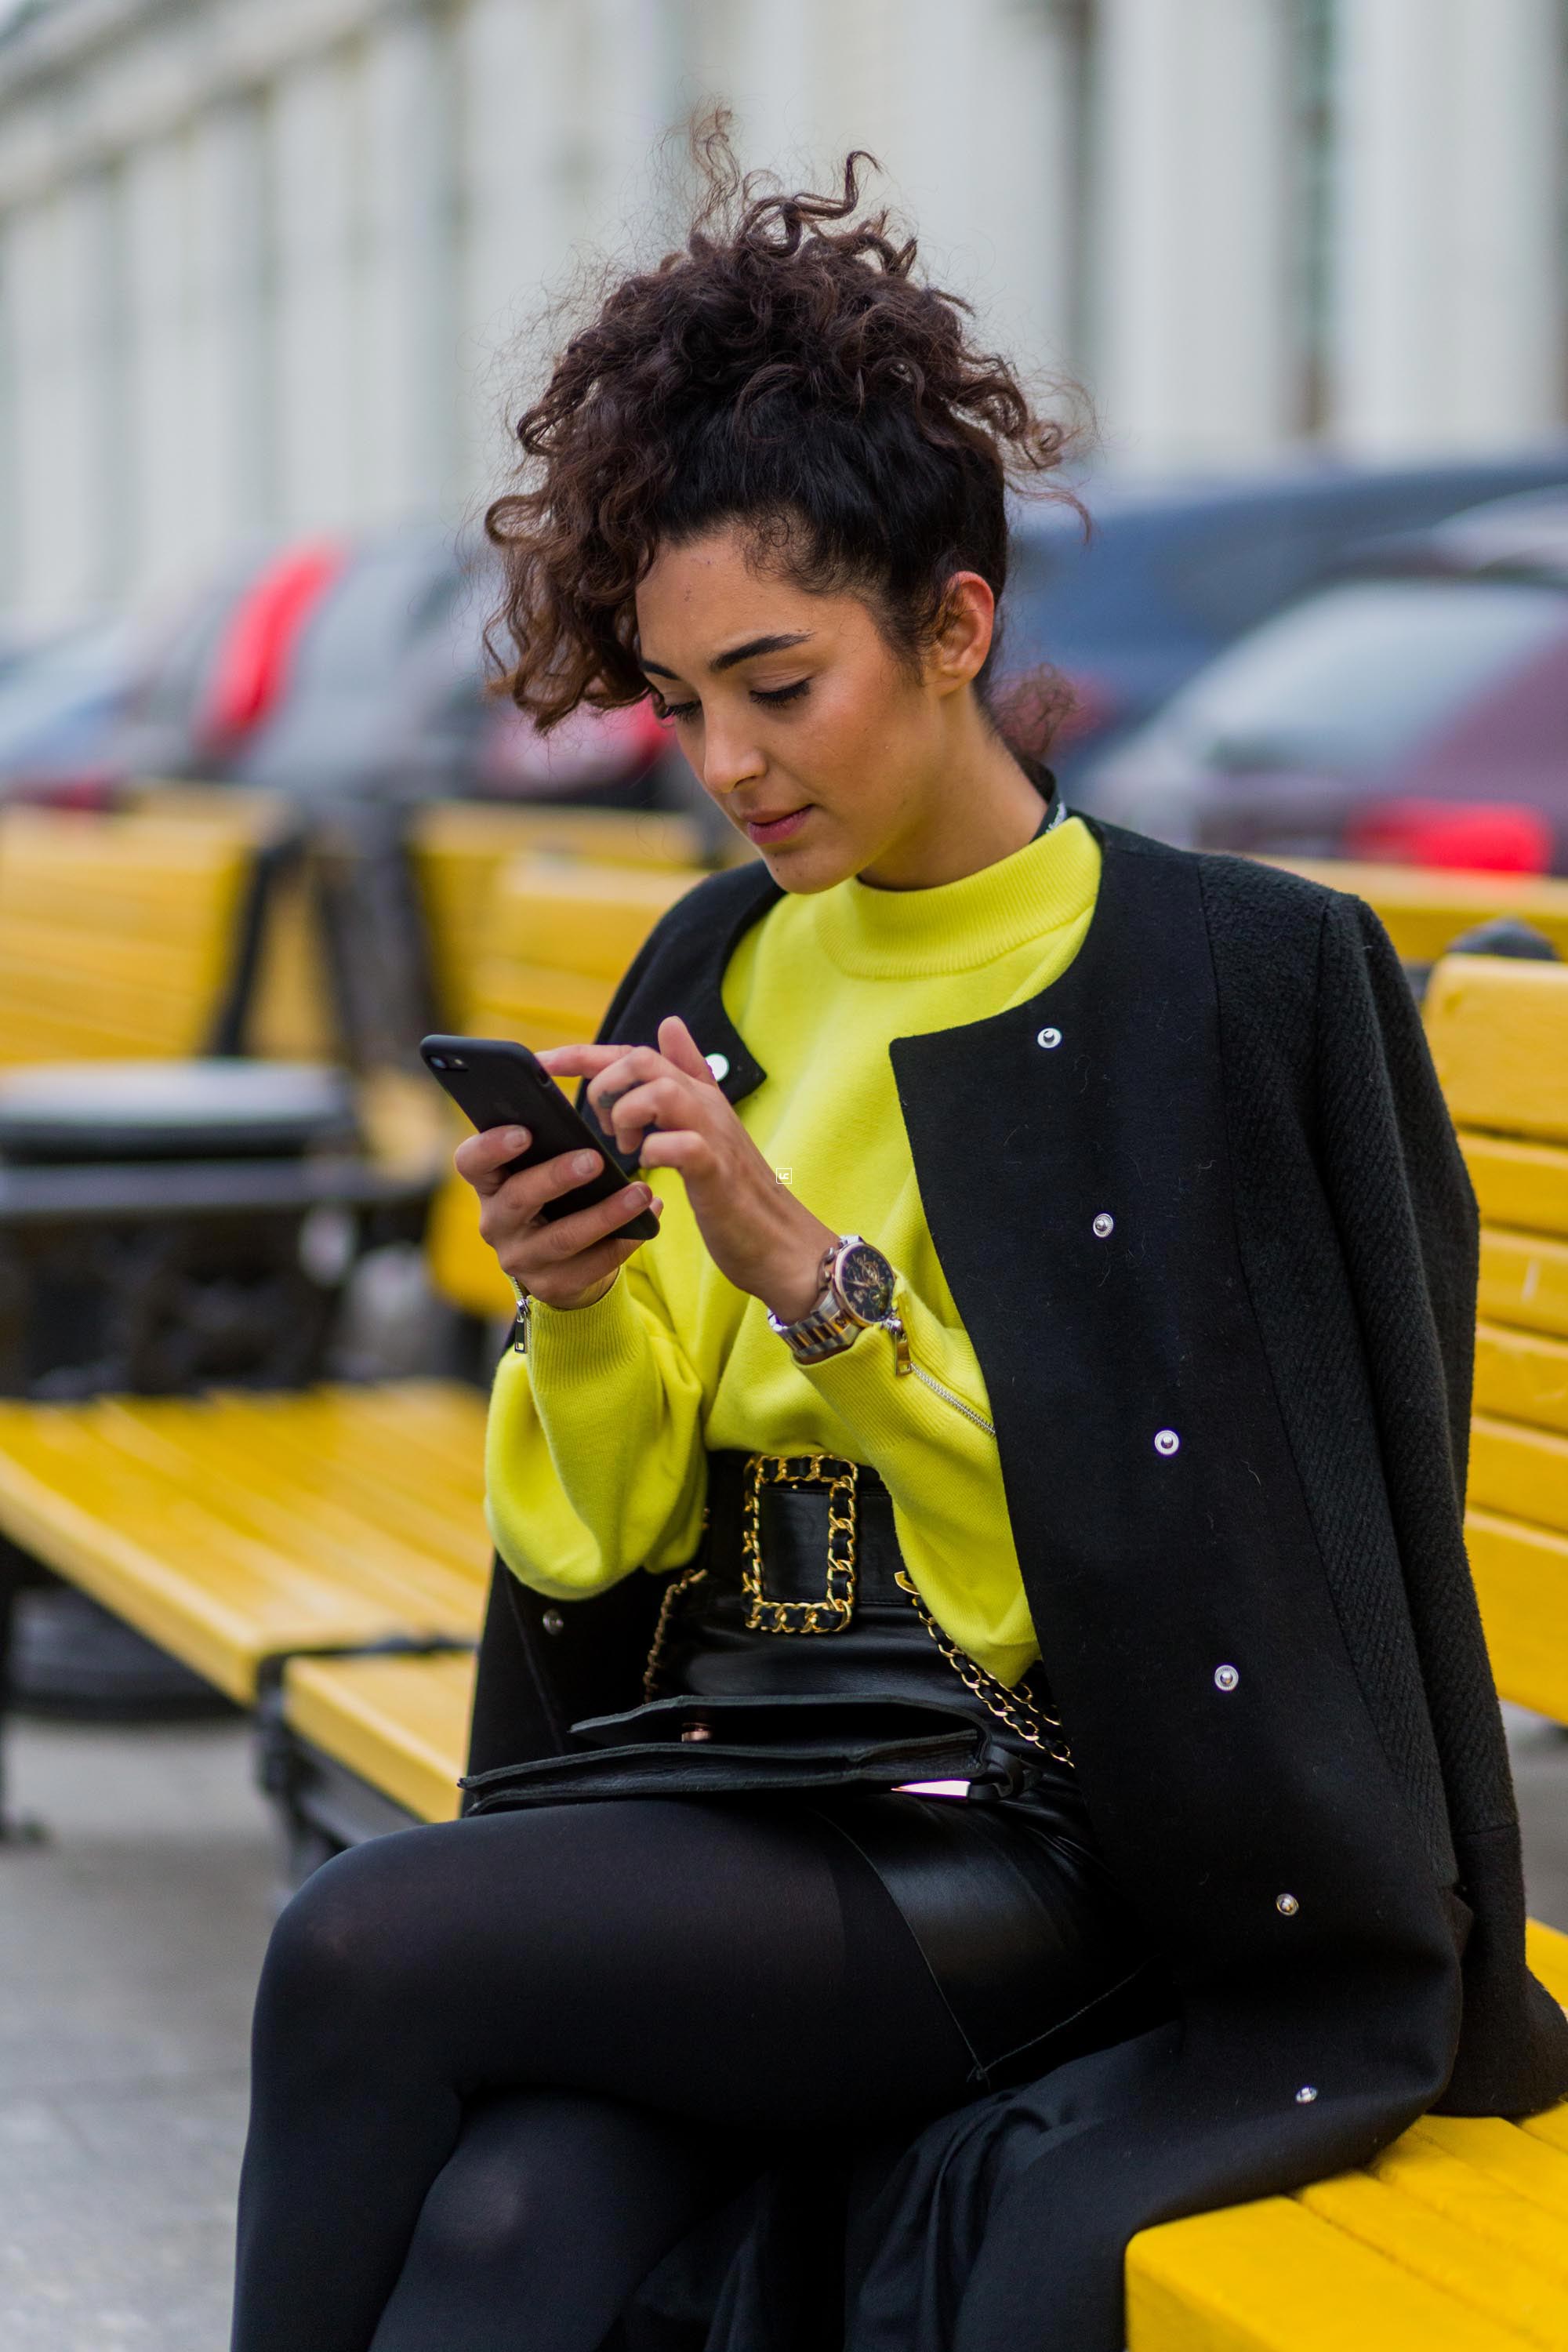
x=776 y=828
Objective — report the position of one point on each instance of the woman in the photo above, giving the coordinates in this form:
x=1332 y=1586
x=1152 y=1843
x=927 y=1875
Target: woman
x=984 y=1740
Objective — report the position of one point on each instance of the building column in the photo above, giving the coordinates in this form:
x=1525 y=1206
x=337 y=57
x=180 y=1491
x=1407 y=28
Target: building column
x=1193 y=194
x=1449 y=249
x=237 y=487
x=411 y=296
x=986 y=147
x=324 y=424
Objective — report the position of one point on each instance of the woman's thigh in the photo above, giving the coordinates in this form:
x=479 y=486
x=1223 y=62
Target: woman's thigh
x=727 y=1962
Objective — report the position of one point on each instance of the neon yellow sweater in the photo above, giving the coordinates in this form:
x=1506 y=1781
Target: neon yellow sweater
x=595 y=1456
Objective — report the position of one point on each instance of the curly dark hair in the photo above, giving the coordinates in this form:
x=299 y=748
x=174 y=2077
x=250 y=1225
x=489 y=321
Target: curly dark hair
x=785 y=369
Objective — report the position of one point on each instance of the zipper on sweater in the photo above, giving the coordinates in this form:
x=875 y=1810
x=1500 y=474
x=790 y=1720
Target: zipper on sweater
x=904 y=1364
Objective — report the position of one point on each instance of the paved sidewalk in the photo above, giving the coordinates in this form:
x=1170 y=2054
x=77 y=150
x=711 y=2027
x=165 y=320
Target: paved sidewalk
x=1540 y=1752
x=129 y=1947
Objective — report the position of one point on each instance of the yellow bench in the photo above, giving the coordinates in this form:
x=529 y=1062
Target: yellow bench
x=1457 y=2236
x=459 y=848
x=1425 y=909
x=236 y=1527
x=249 y=1533
x=140 y=933
x=558 y=934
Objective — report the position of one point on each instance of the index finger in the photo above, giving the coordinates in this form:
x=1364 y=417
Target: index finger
x=580 y=1061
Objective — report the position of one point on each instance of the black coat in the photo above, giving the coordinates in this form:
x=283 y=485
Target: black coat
x=1232 y=1067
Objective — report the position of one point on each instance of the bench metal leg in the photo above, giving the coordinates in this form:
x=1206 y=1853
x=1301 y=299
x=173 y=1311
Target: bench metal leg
x=324 y=1807
x=17 y=1572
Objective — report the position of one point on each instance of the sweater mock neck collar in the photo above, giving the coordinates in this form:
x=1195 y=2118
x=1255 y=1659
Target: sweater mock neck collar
x=872 y=934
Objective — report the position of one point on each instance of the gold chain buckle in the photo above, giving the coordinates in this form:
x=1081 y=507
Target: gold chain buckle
x=835 y=1611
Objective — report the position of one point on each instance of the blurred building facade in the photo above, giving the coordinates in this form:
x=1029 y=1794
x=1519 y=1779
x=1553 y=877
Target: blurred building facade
x=261 y=260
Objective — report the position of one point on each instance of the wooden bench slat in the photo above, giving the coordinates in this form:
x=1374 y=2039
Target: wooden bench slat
x=128 y=1498
x=402 y=1724
x=1552 y=2127
x=1521 y=1376
x=1424 y=908
x=1524 y=1279
x=1520 y=1471
x=1524 y=1185
x=1487 y=2170
x=1495 y=1028
x=577 y=917
x=525 y=999
x=1521 y=1583
x=1448 y=2254
x=1273 y=2277
x=187 y=1461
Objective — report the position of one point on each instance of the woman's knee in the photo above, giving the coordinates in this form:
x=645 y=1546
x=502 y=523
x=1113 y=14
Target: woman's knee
x=342 y=1946
x=543 y=2178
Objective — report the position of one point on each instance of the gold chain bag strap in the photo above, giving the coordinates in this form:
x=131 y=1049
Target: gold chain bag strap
x=1013 y=1708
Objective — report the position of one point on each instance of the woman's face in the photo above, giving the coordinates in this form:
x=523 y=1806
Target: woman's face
x=819 y=743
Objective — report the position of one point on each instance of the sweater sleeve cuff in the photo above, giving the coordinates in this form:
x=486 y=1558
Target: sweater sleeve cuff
x=568 y=1346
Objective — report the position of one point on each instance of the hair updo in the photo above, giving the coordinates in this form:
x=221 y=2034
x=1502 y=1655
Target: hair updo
x=785 y=370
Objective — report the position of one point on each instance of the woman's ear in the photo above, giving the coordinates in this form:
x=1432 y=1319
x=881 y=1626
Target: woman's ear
x=967 y=623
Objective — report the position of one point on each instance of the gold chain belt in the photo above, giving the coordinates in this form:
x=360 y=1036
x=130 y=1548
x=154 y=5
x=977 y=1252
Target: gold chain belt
x=836 y=1609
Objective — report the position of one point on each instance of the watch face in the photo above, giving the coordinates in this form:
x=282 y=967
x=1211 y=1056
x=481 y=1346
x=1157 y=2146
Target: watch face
x=864 y=1280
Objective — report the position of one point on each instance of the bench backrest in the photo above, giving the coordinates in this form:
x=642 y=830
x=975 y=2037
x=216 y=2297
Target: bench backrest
x=124 y=934
x=1425 y=909
x=459 y=849
x=558 y=934
x=1499 y=1031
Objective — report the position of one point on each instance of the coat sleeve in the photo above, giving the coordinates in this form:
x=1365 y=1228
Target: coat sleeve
x=1407 y=1218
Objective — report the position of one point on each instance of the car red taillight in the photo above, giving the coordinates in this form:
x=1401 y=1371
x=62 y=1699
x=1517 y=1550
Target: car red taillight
x=95 y=790
x=1490 y=836
x=252 y=665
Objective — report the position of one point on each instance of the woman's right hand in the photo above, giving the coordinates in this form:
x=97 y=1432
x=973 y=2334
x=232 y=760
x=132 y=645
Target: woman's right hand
x=568 y=1263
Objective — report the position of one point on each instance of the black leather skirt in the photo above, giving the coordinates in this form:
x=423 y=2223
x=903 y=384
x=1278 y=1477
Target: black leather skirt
x=795 y=1664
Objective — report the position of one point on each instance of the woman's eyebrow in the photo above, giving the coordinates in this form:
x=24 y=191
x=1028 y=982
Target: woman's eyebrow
x=755 y=646
x=779 y=644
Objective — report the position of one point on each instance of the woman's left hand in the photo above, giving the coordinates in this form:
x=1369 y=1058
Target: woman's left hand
x=669 y=1103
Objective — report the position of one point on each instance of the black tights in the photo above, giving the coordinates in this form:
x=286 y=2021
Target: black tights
x=489 y=2057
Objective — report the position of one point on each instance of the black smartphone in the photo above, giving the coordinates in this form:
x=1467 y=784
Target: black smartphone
x=495 y=1083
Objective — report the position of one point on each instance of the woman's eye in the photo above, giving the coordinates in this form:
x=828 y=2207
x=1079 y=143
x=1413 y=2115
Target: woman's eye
x=679 y=711
x=780 y=694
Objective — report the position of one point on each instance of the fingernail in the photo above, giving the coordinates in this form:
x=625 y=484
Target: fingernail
x=515 y=1138
x=641 y=1195
x=585 y=1163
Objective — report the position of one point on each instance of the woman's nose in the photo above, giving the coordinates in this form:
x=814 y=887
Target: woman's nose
x=728 y=762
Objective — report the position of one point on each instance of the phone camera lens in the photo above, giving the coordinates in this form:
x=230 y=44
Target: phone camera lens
x=437 y=1061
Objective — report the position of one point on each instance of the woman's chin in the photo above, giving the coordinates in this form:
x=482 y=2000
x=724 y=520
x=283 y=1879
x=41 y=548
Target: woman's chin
x=815 y=866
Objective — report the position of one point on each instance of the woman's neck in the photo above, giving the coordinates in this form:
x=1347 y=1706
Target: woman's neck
x=978 y=807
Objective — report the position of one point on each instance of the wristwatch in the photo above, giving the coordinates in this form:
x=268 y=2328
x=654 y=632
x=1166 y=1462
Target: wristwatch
x=858 y=1286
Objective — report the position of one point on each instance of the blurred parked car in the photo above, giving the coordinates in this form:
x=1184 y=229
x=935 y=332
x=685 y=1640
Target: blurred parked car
x=1171 y=575
x=1414 y=709
x=59 y=701
x=212 y=666
x=351 y=668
